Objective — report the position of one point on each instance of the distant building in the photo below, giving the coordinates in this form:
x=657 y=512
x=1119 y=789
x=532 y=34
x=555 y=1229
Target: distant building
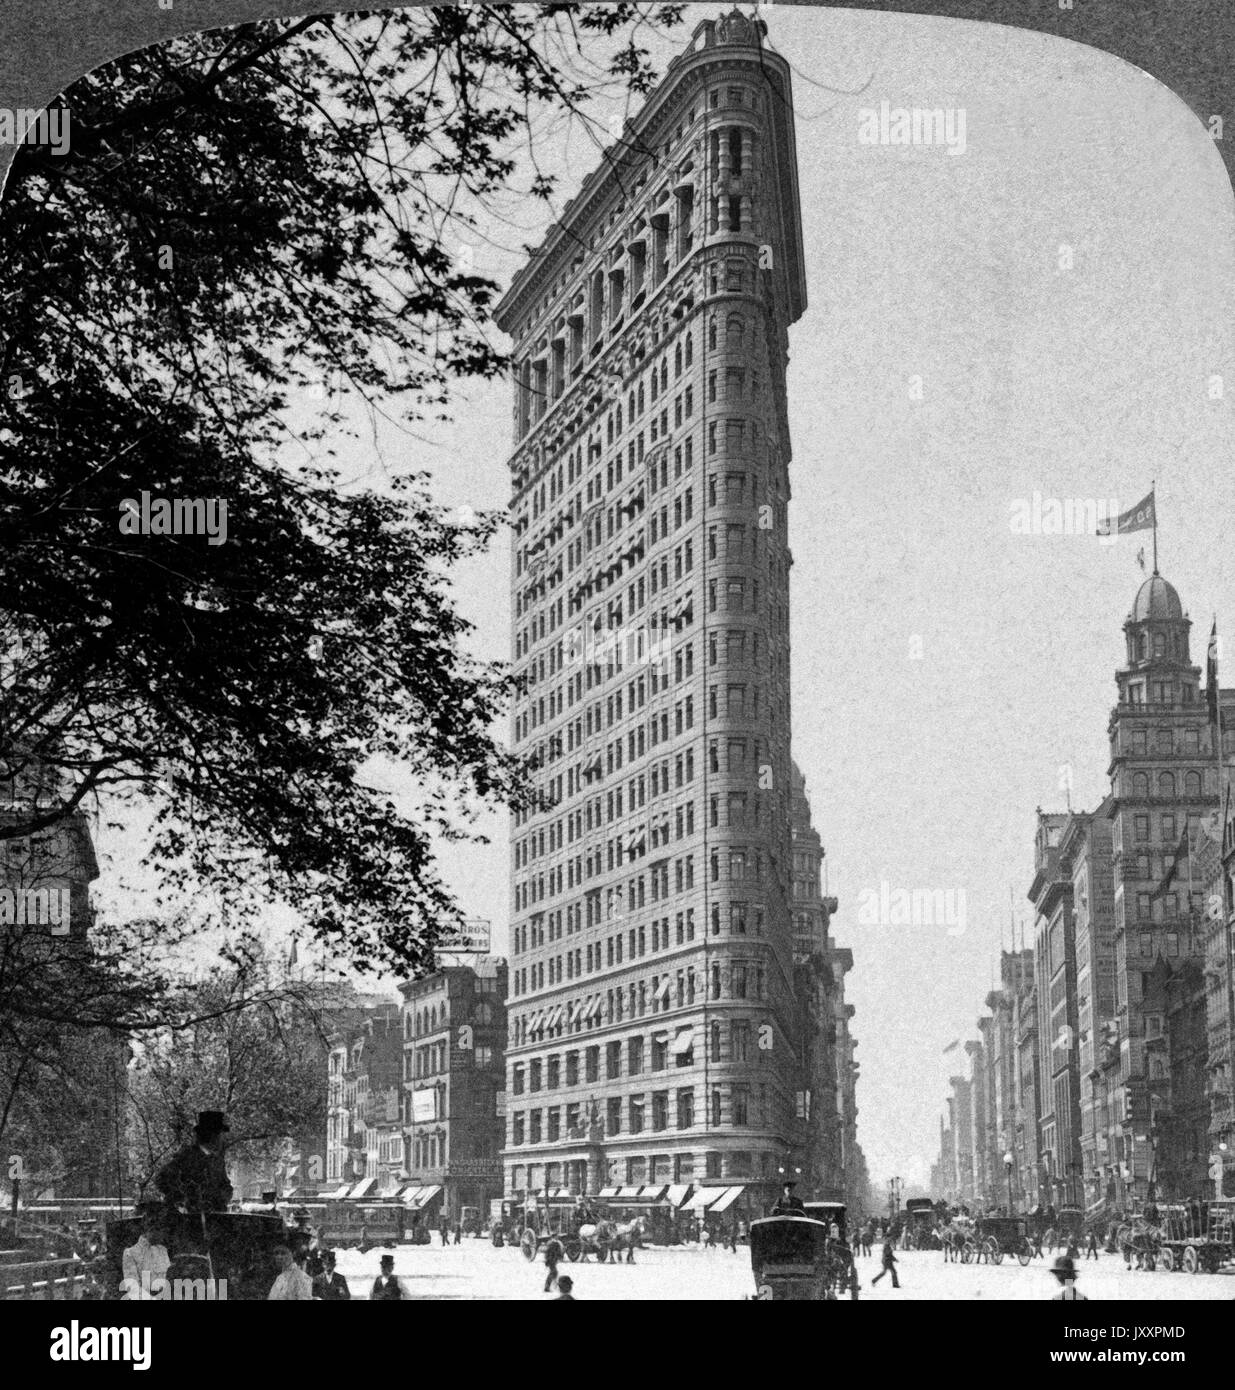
x=363 y=1138
x=1218 y=871
x=1059 y=1120
x=453 y=1083
x=1164 y=782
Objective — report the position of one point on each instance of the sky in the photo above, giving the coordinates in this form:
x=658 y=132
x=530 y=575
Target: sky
x=1047 y=313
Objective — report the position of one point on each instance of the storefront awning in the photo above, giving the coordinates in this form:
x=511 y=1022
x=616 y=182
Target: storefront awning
x=608 y=1192
x=409 y=1195
x=725 y=1200
x=678 y=1193
x=704 y=1198
x=337 y=1195
x=363 y=1187
x=425 y=1196
x=654 y=1192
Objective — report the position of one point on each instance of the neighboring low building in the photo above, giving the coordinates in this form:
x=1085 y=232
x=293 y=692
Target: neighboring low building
x=453 y=1080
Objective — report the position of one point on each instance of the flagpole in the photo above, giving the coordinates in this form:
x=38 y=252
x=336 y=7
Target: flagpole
x=1153 y=492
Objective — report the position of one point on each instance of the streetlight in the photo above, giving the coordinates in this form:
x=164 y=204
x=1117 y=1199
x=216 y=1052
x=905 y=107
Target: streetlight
x=1007 y=1165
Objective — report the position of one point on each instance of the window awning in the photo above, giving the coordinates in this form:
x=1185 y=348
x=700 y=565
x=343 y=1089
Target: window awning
x=653 y=1193
x=425 y=1196
x=678 y=1193
x=664 y=987
x=608 y=1192
x=363 y=1187
x=684 y=1041
x=726 y=1199
x=591 y=1008
x=704 y=1198
x=554 y=1016
x=410 y=1194
x=337 y=1195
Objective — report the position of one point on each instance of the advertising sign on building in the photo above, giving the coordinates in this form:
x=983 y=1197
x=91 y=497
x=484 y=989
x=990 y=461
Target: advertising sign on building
x=474 y=939
x=424 y=1105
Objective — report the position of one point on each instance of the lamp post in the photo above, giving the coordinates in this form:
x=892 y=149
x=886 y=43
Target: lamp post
x=1007 y=1167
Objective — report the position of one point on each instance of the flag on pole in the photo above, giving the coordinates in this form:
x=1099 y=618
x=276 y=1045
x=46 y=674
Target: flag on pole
x=1211 y=675
x=1142 y=517
x=952 y=1046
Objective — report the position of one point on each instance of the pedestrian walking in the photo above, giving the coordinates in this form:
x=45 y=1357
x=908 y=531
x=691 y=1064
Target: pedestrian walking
x=889 y=1265
x=554 y=1250
x=1064 y=1271
x=330 y=1286
x=731 y=1241
x=388 y=1287
x=1049 y=1240
x=1091 y=1246
x=458 y=1230
x=564 y=1286
x=292 y=1283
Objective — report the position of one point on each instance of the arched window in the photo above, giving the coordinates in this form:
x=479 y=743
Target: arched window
x=1140 y=784
x=1166 y=784
x=1140 y=647
x=1192 y=784
x=735 y=329
x=1159 y=644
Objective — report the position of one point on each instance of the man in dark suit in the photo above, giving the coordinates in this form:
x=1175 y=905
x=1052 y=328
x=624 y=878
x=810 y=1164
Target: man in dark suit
x=195 y=1180
x=788 y=1203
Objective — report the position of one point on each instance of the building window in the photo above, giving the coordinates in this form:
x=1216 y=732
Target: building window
x=636 y=1114
x=613 y=1115
x=686 y=1108
x=660 y=1110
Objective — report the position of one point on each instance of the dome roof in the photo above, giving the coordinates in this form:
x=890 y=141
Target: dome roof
x=1156 y=599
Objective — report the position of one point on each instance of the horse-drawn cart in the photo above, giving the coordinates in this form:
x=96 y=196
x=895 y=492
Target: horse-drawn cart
x=1197 y=1237
x=1005 y=1235
x=795 y=1258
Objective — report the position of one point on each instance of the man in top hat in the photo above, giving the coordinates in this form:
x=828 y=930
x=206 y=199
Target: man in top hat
x=195 y=1180
x=1064 y=1270
x=788 y=1203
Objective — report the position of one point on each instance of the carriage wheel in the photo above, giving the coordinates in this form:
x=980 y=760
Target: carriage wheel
x=1025 y=1253
x=602 y=1251
x=573 y=1247
x=968 y=1251
x=528 y=1245
x=995 y=1253
x=1166 y=1258
x=1192 y=1261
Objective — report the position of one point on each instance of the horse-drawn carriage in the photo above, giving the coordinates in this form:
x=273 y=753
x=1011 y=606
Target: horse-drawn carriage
x=214 y=1257
x=1196 y=1237
x=1003 y=1235
x=796 y=1258
x=920 y=1233
x=582 y=1231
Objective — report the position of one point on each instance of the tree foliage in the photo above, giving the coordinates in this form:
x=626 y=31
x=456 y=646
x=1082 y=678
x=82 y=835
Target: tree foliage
x=243 y=215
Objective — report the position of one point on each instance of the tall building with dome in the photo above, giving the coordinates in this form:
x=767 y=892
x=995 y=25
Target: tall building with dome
x=1164 y=780
x=652 y=1013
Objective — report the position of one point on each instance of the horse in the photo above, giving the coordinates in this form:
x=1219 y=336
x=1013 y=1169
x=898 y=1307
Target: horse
x=617 y=1236
x=952 y=1238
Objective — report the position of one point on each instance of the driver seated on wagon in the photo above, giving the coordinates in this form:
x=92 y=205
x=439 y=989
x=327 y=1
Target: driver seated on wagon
x=788 y=1204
